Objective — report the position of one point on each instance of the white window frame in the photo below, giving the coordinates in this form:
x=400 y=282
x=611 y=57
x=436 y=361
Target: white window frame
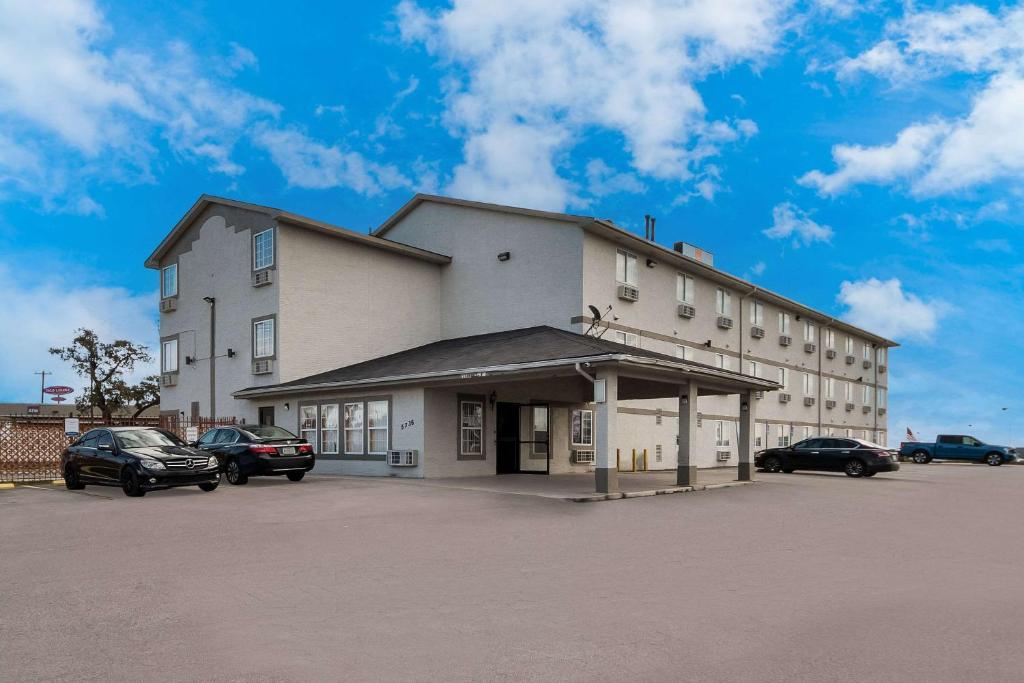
x=807 y=432
x=360 y=430
x=849 y=345
x=256 y=251
x=463 y=428
x=721 y=435
x=306 y=428
x=626 y=275
x=867 y=351
x=723 y=302
x=165 y=355
x=627 y=338
x=256 y=338
x=829 y=388
x=165 y=292
x=808 y=382
x=783 y=322
x=324 y=429
x=866 y=394
x=880 y=397
x=684 y=288
x=784 y=378
x=829 y=338
x=783 y=436
x=757 y=313
x=684 y=352
x=754 y=368
x=722 y=361
x=370 y=429
x=881 y=355
x=808 y=331
x=586 y=422
x=848 y=391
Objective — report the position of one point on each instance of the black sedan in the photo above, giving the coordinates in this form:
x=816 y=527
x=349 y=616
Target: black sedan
x=138 y=459
x=258 y=450
x=856 y=457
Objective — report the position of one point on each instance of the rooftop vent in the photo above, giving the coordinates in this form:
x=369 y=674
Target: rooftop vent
x=695 y=253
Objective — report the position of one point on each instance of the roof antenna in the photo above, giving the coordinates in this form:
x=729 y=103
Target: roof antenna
x=596 y=317
x=647 y=226
x=652 y=229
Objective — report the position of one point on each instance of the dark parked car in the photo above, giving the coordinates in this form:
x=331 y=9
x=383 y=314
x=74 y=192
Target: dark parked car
x=138 y=459
x=257 y=450
x=856 y=457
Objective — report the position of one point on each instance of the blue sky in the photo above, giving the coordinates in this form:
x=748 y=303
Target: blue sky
x=864 y=158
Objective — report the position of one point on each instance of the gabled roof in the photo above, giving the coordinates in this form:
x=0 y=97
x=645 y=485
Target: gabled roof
x=292 y=219
x=610 y=230
x=511 y=350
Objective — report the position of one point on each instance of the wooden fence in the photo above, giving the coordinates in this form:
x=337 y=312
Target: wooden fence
x=30 y=447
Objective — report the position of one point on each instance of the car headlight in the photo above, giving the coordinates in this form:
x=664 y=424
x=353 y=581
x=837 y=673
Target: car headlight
x=212 y=463
x=152 y=464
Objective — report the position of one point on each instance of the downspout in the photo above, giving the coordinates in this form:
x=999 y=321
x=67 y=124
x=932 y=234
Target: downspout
x=740 y=327
x=580 y=370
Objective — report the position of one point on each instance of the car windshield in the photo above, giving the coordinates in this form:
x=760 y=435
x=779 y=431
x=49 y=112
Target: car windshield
x=143 y=438
x=870 y=444
x=269 y=432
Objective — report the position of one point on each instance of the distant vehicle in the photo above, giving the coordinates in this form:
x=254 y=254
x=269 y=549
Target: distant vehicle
x=855 y=457
x=138 y=459
x=258 y=450
x=957 y=447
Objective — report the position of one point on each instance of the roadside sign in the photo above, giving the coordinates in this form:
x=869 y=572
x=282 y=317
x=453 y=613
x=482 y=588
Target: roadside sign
x=31 y=410
x=191 y=434
x=58 y=390
x=58 y=399
x=71 y=426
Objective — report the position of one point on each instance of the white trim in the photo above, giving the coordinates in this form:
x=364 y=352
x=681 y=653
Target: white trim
x=255 y=338
x=386 y=428
x=336 y=429
x=164 y=294
x=360 y=430
x=273 y=239
x=463 y=428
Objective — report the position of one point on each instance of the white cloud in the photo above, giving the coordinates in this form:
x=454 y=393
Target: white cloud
x=603 y=180
x=540 y=72
x=885 y=308
x=46 y=312
x=994 y=245
x=790 y=221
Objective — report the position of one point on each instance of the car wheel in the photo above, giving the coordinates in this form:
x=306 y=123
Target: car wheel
x=130 y=484
x=71 y=480
x=296 y=476
x=855 y=468
x=772 y=464
x=209 y=486
x=993 y=459
x=921 y=457
x=233 y=473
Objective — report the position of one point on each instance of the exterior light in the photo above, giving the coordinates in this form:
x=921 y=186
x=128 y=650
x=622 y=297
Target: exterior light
x=744 y=406
x=504 y=256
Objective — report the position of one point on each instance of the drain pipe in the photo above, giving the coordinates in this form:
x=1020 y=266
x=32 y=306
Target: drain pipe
x=581 y=371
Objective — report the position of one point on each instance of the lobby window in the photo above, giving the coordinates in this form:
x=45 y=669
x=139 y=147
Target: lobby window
x=783 y=323
x=625 y=267
x=329 y=429
x=471 y=427
x=377 y=426
x=684 y=288
x=169 y=356
x=263 y=249
x=307 y=425
x=721 y=434
x=263 y=338
x=354 y=428
x=757 y=313
x=723 y=302
x=169 y=281
x=582 y=427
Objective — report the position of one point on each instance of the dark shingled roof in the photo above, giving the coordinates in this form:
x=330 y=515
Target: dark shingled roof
x=511 y=347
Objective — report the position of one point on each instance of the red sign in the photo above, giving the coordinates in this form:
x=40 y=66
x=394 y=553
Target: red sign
x=58 y=399
x=58 y=390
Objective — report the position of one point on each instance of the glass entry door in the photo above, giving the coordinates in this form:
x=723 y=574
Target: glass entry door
x=523 y=439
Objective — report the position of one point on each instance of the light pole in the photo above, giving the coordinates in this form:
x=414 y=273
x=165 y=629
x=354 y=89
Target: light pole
x=42 y=384
x=1009 y=421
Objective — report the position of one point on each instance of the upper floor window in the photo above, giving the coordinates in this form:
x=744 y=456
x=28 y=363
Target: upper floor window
x=263 y=249
x=867 y=351
x=721 y=361
x=684 y=352
x=263 y=338
x=783 y=323
x=880 y=401
x=169 y=281
x=808 y=384
x=848 y=391
x=808 y=331
x=829 y=337
x=757 y=313
x=753 y=368
x=849 y=346
x=829 y=387
x=625 y=267
x=627 y=338
x=784 y=378
x=169 y=356
x=723 y=302
x=881 y=355
x=866 y=394
x=684 y=288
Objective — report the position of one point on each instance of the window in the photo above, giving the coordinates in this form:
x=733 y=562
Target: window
x=307 y=425
x=471 y=427
x=625 y=267
x=881 y=355
x=753 y=368
x=627 y=338
x=829 y=387
x=849 y=346
x=263 y=338
x=582 y=428
x=808 y=331
x=263 y=249
x=829 y=336
x=721 y=434
x=169 y=281
x=808 y=384
x=329 y=430
x=723 y=302
x=867 y=351
x=783 y=438
x=540 y=430
x=354 y=428
x=848 y=391
x=209 y=437
x=684 y=352
x=881 y=397
x=757 y=313
x=169 y=355
x=721 y=361
x=866 y=393
x=784 y=378
x=684 y=288
x=807 y=432
x=783 y=323
x=377 y=426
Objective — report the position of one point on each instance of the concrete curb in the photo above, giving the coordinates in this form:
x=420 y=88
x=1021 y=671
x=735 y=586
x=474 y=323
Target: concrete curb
x=7 y=485
x=619 y=495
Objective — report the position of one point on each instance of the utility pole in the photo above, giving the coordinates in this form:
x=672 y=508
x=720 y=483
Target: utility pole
x=42 y=384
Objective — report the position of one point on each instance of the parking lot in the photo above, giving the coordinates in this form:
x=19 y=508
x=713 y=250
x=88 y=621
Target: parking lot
x=810 y=577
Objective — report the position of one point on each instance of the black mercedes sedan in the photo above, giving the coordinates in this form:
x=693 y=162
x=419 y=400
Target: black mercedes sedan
x=138 y=459
x=258 y=450
x=856 y=457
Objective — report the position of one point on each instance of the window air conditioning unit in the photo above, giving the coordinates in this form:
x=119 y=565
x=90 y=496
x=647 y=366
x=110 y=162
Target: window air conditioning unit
x=865 y=409
x=810 y=347
x=850 y=360
x=830 y=353
x=808 y=400
x=882 y=369
x=583 y=457
x=629 y=293
x=758 y=394
x=169 y=379
x=402 y=458
x=785 y=340
x=686 y=311
x=262 y=367
x=784 y=397
x=723 y=456
x=830 y=404
x=725 y=322
x=867 y=364
x=881 y=411
x=168 y=305
x=262 y=277
x=850 y=407
x=757 y=332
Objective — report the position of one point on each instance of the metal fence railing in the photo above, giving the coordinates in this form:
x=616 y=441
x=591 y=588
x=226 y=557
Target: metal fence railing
x=30 y=446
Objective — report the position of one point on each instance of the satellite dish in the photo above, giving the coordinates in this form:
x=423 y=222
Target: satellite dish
x=595 y=314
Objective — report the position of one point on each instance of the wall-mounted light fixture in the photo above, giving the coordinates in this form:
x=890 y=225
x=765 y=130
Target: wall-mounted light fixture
x=231 y=353
x=685 y=400
x=189 y=360
x=744 y=407
x=708 y=343
x=287 y=405
x=504 y=256
x=651 y=263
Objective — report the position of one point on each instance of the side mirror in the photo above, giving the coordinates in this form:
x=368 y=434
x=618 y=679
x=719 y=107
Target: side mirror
x=105 y=447
x=193 y=444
